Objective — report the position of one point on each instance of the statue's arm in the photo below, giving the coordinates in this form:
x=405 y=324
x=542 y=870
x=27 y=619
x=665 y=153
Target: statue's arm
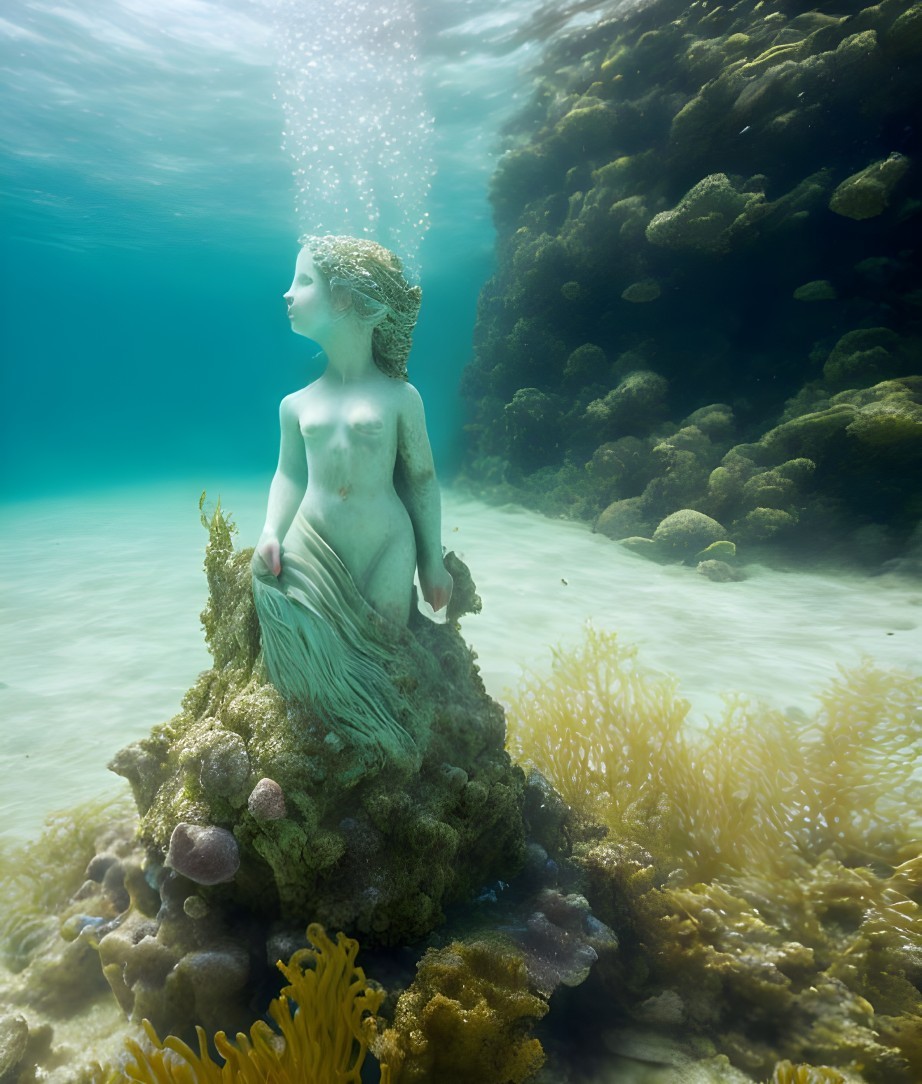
x=288 y=485
x=418 y=487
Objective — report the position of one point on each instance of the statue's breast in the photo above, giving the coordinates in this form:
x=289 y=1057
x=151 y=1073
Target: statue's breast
x=365 y=422
x=347 y=424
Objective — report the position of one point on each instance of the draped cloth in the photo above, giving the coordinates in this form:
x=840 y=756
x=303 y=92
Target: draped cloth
x=325 y=647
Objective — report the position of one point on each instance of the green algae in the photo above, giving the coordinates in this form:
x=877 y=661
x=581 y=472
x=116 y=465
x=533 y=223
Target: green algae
x=38 y=878
x=330 y=854
x=721 y=197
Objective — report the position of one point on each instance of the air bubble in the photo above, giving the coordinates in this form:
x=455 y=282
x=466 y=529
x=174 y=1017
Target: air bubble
x=352 y=119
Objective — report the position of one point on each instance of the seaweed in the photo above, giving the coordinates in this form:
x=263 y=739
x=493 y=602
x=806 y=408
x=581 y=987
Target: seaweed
x=757 y=789
x=764 y=874
x=325 y=1038
x=38 y=878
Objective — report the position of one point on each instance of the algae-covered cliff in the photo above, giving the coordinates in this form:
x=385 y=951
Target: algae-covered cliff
x=707 y=293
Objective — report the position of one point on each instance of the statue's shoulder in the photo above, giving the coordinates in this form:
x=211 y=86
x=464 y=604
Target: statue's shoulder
x=405 y=394
x=294 y=399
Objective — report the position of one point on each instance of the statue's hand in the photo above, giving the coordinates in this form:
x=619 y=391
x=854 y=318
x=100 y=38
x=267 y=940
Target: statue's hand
x=270 y=550
x=436 y=584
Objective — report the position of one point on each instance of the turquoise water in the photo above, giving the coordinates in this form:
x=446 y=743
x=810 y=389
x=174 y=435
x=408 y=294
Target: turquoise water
x=150 y=222
x=149 y=231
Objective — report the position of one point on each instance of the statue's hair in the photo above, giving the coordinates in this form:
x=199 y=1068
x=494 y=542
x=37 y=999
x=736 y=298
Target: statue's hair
x=380 y=294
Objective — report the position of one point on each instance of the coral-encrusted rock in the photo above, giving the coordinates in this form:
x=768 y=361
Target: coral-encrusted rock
x=467 y=1016
x=707 y=217
x=647 y=267
x=14 y=1035
x=867 y=193
x=376 y=849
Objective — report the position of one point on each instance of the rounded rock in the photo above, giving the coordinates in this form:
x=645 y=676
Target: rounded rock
x=267 y=801
x=206 y=855
x=686 y=532
x=816 y=290
x=622 y=519
x=866 y=194
x=639 y=293
x=195 y=907
x=14 y=1036
x=719 y=571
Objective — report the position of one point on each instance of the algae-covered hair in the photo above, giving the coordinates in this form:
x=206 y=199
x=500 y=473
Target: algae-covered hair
x=380 y=294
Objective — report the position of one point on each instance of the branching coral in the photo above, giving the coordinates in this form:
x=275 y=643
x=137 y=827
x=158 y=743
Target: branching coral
x=804 y=940
x=602 y=730
x=325 y=1039
x=757 y=788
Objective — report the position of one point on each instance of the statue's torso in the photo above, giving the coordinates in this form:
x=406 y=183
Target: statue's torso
x=350 y=434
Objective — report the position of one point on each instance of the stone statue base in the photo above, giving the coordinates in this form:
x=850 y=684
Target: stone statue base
x=251 y=804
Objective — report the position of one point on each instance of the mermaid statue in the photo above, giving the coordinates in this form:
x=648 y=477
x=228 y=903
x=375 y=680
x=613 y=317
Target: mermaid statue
x=354 y=507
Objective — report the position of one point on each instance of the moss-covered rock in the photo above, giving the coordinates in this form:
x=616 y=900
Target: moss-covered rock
x=379 y=852
x=895 y=424
x=708 y=218
x=639 y=293
x=764 y=524
x=817 y=290
x=532 y=427
x=686 y=532
x=861 y=357
x=697 y=150
x=632 y=407
x=867 y=193
x=623 y=519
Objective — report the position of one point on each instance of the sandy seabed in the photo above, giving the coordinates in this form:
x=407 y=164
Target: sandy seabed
x=100 y=635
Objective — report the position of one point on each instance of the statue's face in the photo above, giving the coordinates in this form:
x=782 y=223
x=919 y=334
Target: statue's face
x=308 y=299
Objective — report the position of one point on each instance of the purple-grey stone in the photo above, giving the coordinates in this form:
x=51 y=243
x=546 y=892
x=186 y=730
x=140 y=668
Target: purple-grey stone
x=266 y=801
x=208 y=856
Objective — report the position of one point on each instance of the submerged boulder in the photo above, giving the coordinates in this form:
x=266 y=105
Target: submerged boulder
x=707 y=217
x=686 y=532
x=866 y=194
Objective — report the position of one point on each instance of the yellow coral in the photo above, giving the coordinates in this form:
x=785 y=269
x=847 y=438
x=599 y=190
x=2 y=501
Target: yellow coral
x=600 y=728
x=466 y=1019
x=757 y=789
x=324 y=1040
x=786 y=1073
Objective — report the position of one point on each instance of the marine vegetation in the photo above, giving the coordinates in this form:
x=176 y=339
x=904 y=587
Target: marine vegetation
x=51 y=986
x=786 y=1073
x=763 y=875
x=755 y=789
x=38 y=878
x=466 y=1019
x=262 y=803
x=707 y=288
x=324 y=1038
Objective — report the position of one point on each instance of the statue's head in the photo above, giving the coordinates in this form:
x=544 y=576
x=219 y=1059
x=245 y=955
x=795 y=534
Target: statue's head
x=367 y=282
